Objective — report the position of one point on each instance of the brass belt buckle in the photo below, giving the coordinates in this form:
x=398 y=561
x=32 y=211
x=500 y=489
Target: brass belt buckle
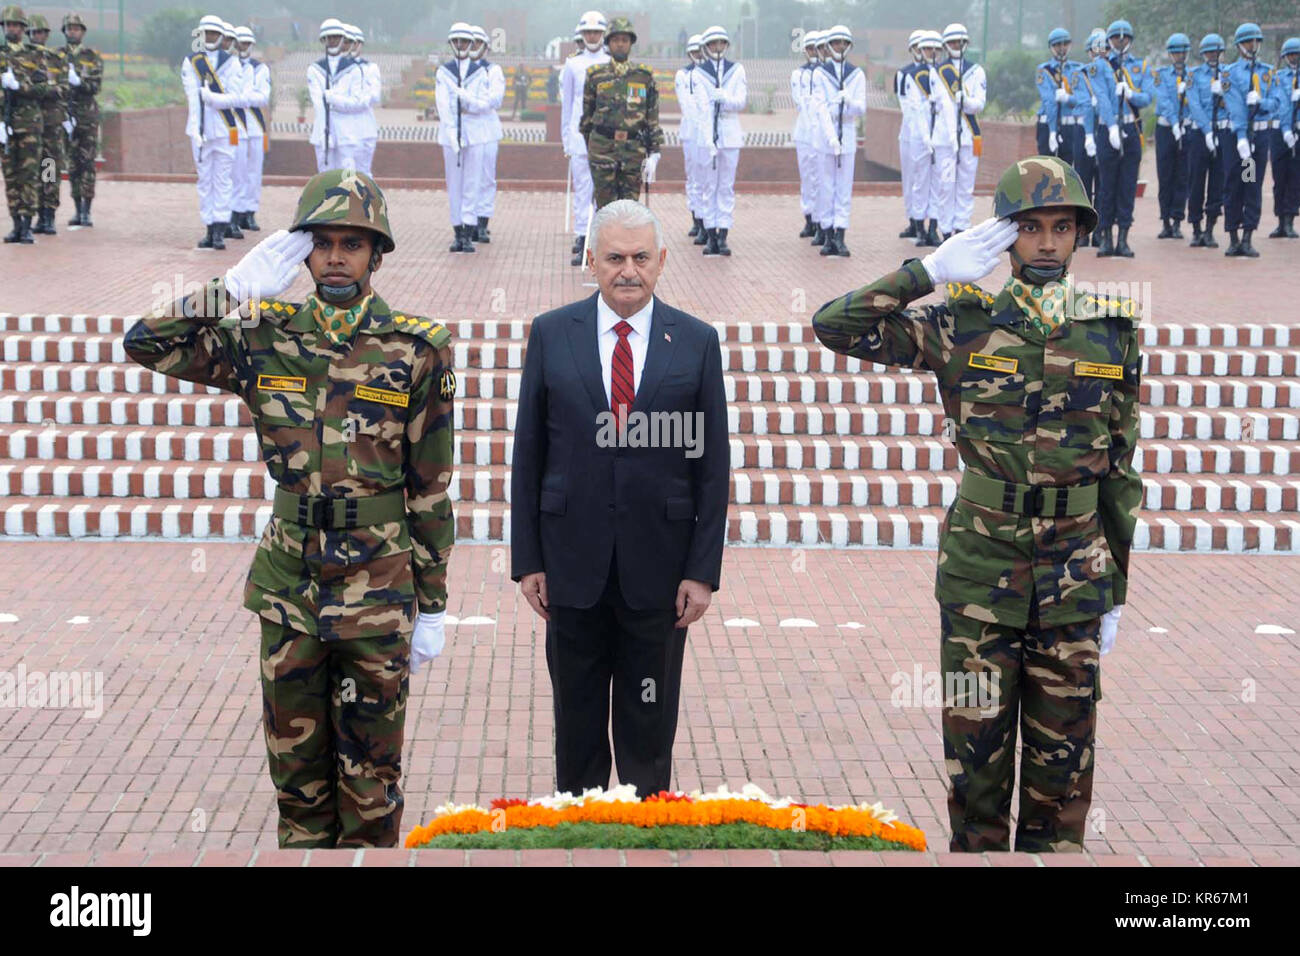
x=620 y=135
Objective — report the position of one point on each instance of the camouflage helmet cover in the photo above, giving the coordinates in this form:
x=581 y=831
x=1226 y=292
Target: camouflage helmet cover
x=36 y=22
x=1041 y=181
x=620 y=25
x=73 y=20
x=344 y=197
x=13 y=14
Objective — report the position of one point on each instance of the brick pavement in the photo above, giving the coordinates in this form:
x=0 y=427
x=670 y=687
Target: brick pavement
x=1197 y=755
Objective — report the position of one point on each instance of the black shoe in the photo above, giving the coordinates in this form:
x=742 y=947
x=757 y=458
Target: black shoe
x=1178 y=229
x=840 y=248
x=206 y=241
x=232 y=229
x=579 y=249
x=25 y=236
x=829 y=247
x=1247 y=249
x=76 y=216
x=1121 y=244
x=808 y=228
x=945 y=237
x=930 y=237
x=1107 y=247
x=455 y=243
x=910 y=231
x=819 y=236
x=250 y=221
x=710 y=242
x=1234 y=244
x=1280 y=231
x=1167 y=232
x=1197 y=235
x=1207 y=238
x=85 y=212
x=577 y=244
x=1290 y=228
x=467 y=239
x=481 y=230
x=723 y=248
x=695 y=227
x=702 y=236
x=218 y=235
x=44 y=222
x=16 y=233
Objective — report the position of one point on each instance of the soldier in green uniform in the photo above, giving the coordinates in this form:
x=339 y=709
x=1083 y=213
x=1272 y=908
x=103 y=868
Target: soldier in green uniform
x=85 y=73
x=1040 y=388
x=23 y=77
x=53 y=130
x=620 y=119
x=352 y=403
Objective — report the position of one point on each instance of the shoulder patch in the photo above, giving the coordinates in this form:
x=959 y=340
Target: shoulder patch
x=278 y=309
x=1092 y=69
x=968 y=293
x=435 y=333
x=1109 y=306
x=1155 y=78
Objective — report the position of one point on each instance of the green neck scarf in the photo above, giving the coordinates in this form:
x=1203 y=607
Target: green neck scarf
x=1046 y=306
x=336 y=324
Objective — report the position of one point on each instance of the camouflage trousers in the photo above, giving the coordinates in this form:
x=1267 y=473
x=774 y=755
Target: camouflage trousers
x=52 y=163
x=1044 y=679
x=22 y=171
x=334 y=712
x=615 y=175
x=81 y=147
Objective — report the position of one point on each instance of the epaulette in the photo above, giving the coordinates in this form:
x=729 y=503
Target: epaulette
x=435 y=333
x=1110 y=306
x=276 y=309
x=966 y=292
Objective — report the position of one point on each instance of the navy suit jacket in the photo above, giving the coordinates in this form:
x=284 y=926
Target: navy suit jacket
x=575 y=504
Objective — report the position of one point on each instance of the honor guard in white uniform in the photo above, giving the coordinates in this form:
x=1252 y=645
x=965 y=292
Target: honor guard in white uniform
x=332 y=133
x=805 y=148
x=591 y=27
x=213 y=130
x=839 y=98
x=720 y=98
x=965 y=84
x=371 y=86
x=257 y=124
x=230 y=70
x=926 y=99
x=485 y=201
x=911 y=149
x=688 y=133
x=462 y=95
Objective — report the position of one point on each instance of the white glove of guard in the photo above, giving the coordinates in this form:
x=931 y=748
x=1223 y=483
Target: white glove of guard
x=1177 y=130
x=197 y=140
x=1122 y=89
x=4 y=134
x=1090 y=145
x=269 y=267
x=1062 y=95
x=1252 y=97
x=972 y=254
x=1289 y=138
x=1053 y=141
x=1094 y=101
x=839 y=148
x=74 y=78
x=205 y=94
x=68 y=125
x=715 y=93
x=455 y=146
x=1112 y=133
x=713 y=151
x=1216 y=87
x=649 y=166
x=1109 y=627
x=8 y=80
x=1295 y=95
x=1182 y=87
x=1243 y=148
x=428 y=640
x=1210 y=144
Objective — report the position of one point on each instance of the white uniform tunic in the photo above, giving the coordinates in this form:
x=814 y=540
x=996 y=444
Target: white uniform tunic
x=720 y=96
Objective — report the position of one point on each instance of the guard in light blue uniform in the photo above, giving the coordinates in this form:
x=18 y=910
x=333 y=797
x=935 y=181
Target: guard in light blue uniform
x=1286 y=130
x=1248 y=97
x=1085 y=161
x=1172 y=119
x=1121 y=97
x=1065 y=99
x=1209 y=161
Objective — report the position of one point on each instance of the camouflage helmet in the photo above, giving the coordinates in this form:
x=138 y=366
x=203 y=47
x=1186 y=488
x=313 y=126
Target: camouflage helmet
x=72 y=20
x=344 y=197
x=13 y=14
x=1040 y=181
x=36 y=22
x=620 y=25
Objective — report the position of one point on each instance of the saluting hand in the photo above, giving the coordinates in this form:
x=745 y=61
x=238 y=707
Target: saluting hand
x=270 y=266
x=972 y=254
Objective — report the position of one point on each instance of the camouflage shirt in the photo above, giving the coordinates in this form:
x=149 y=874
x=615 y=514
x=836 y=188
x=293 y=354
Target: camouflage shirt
x=23 y=105
x=55 y=94
x=621 y=99
x=368 y=416
x=1060 y=409
x=90 y=67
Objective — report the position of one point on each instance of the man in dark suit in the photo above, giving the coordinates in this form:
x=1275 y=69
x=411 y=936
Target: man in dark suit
x=619 y=503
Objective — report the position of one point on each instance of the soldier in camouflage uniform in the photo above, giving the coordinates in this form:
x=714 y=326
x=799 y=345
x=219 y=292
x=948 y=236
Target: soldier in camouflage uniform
x=352 y=403
x=620 y=120
x=85 y=75
x=55 y=117
x=1040 y=386
x=24 y=79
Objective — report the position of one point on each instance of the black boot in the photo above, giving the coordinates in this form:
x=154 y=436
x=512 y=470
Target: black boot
x=1167 y=232
x=44 y=222
x=819 y=236
x=723 y=248
x=1121 y=244
x=930 y=235
x=1178 y=229
x=85 y=212
x=1280 y=231
x=840 y=248
x=16 y=233
x=1290 y=228
x=710 y=242
x=1234 y=244
x=250 y=221
x=577 y=244
x=1107 y=247
x=1207 y=239
x=910 y=231
x=808 y=228
x=232 y=229
x=579 y=251
x=26 y=237
x=206 y=241
x=455 y=243
x=467 y=239
x=1197 y=235
x=945 y=237
x=1247 y=249
x=481 y=230
x=702 y=236
x=76 y=216
x=695 y=227
x=830 y=247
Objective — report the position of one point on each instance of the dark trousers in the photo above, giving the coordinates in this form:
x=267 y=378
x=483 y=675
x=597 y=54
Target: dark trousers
x=1243 y=185
x=1286 y=177
x=1040 y=134
x=1206 y=174
x=640 y=654
x=1087 y=166
x=1172 y=167
x=1117 y=173
x=1070 y=143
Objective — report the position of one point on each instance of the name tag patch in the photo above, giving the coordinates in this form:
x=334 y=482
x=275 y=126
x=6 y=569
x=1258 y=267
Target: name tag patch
x=1097 y=370
x=282 y=383
x=993 y=363
x=382 y=395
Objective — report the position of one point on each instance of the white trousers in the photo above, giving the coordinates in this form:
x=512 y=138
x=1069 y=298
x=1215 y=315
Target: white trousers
x=486 y=200
x=215 y=163
x=718 y=188
x=341 y=156
x=239 y=170
x=690 y=162
x=942 y=176
x=365 y=155
x=580 y=176
x=810 y=170
x=963 y=201
x=248 y=185
x=836 y=193
x=464 y=180
x=914 y=164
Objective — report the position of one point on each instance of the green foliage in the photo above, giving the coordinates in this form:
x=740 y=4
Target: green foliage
x=144 y=86
x=167 y=34
x=1154 y=20
x=1011 y=88
x=622 y=836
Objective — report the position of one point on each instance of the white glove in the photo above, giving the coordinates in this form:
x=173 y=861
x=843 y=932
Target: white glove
x=1243 y=148
x=1053 y=141
x=1216 y=87
x=73 y=77
x=1062 y=95
x=1112 y=133
x=69 y=124
x=839 y=148
x=197 y=140
x=713 y=151
x=4 y=134
x=455 y=146
x=715 y=93
x=428 y=640
x=1089 y=145
x=649 y=166
x=205 y=94
x=1094 y=101
x=1252 y=97
x=1295 y=95
x=1177 y=130
x=8 y=80
x=1109 y=627
x=1182 y=87
x=1210 y=144
x=1121 y=89
x=270 y=266
x=1289 y=138
x=972 y=254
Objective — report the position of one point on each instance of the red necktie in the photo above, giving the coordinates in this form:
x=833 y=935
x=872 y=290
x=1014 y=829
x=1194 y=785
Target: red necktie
x=620 y=379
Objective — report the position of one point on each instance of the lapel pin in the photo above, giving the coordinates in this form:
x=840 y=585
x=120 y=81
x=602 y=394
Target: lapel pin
x=667 y=337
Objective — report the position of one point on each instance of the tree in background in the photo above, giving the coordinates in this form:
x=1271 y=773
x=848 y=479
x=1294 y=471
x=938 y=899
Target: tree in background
x=167 y=34
x=1154 y=20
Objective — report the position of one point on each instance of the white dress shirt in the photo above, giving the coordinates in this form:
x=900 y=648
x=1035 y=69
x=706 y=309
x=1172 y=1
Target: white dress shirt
x=606 y=338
